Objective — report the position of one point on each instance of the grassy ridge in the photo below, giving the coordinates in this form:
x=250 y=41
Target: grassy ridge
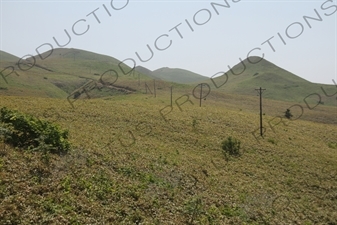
x=178 y=75
x=130 y=166
x=280 y=83
x=64 y=71
x=7 y=57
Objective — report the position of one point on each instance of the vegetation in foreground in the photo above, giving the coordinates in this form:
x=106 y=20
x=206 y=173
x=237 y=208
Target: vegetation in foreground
x=26 y=131
x=130 y=166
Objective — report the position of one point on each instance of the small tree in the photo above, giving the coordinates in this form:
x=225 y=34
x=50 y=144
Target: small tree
x=288 y=114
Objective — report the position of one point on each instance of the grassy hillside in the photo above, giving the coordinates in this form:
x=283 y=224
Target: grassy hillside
x=66 y=70
x=4 y=56
x=130 y=166
x=280 y=84
x=178 y=75
x=144 y=70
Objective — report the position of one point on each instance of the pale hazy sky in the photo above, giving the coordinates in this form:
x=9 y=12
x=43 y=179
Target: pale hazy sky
x=222 y=37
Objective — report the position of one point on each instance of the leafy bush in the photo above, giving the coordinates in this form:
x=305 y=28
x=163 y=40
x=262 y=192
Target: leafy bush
x=26 y=131
x=231 y=146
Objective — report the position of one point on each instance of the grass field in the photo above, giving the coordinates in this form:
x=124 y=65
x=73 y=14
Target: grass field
x=129 y=165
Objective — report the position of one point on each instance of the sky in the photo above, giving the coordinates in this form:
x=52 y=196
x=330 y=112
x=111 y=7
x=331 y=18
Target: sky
x=205 y=37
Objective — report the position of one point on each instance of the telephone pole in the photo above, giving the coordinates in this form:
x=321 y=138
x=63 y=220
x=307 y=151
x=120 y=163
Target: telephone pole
x=260 y=91
x=171 y=97
x=201 y=94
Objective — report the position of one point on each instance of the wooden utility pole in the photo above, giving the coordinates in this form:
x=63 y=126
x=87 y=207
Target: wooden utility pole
x=201 y=94
x=260 y=91
x=171 y=96
x=201 y=97
x=138 y=78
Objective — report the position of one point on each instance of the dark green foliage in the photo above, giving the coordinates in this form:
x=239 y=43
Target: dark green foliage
x=26 y=131
x=332 y=145
x=77 y=95
x=271 y=140
x=288 y=114
x=231 y=146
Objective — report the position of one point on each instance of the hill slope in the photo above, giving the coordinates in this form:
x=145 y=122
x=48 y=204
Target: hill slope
x=130 y=166
x=146 y=71
x=76 y=54
x=4 y=56
x=178 y=75
x=279 y=83
x=67 y=70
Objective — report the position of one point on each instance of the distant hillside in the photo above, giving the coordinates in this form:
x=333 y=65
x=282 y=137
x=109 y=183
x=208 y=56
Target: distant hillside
x=178 y=75
x=145 y=71
x=279 y=83
x=4 y=56
x=66 y=70
x=76 y=54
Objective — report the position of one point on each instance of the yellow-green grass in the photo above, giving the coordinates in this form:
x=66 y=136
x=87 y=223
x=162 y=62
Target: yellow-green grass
x=61 y=73
x=5 y=56
x=279 y=83
x=68 y=69
x=174 y=172
x=178 y=75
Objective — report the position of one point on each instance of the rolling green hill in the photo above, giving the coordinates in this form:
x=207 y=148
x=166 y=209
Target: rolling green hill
x=66 y=70
x=147 y=72
x=4 y=56
x=279 y=83
x=178 y=75
x=76 y=54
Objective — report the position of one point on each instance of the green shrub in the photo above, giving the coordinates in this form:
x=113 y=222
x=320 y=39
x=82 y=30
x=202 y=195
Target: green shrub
x=288 y=114
x=270 y=140
x=26 y=131
x=231 y=146
x=332 y=145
